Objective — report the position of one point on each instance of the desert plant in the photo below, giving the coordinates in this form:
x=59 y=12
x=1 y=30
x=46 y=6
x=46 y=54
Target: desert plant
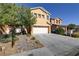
x=76 y=35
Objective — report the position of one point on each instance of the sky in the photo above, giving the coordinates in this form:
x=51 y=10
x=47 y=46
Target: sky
x=69 y=13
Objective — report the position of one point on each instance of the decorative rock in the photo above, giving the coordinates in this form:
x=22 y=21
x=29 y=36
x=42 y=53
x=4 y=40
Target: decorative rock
x=0 y=48
x=3 y=48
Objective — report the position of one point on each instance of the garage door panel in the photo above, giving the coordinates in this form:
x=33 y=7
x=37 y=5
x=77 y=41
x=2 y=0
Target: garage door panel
x=38 y=30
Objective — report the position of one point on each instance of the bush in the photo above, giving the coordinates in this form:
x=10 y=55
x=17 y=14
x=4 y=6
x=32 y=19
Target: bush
x=76 y=35
x=4 y=36
x=7 y=38
x=71 y=26
x=33 y=38
x=59 y=31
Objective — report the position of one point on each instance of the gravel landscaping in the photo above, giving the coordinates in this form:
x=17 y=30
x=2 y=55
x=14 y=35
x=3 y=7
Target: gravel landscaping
x=25 y=43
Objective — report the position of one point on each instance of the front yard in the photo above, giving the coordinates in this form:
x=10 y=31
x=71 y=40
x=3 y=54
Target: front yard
x=24 y=43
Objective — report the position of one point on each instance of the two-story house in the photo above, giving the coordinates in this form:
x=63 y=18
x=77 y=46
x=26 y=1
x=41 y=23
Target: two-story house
x=43 y=20
x=55 y=23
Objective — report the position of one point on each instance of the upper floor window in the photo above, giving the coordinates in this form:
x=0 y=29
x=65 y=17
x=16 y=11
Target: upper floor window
x=35 y=14
x=57 y=21
x=54 y=21
x=47 y=17
x=43 y=16
x=39 y=15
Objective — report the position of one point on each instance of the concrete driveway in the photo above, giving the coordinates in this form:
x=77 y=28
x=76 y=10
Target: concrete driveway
x=59 y=45
x=54 y=45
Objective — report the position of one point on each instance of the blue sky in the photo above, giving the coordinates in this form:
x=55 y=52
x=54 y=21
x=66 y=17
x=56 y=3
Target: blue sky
x=69 y=13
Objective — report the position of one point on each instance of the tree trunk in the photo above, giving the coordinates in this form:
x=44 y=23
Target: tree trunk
x=13 y=36
x=21 y=29
x=29 y=30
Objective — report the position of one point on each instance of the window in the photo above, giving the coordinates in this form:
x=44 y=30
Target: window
x=39 y=15
x=35 y=14
x=57 y=21
x=54 y=21
x=47 y=17
x=43 y=16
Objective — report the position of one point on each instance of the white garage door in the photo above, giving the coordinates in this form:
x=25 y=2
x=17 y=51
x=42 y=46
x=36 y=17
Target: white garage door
x=40 y=30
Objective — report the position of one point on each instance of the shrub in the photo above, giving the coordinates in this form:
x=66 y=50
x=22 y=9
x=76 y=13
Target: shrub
x=7 y=38
x=28 y=35
x=76 y=35
x=33 y=38
x=59 y=31
x=4 y=36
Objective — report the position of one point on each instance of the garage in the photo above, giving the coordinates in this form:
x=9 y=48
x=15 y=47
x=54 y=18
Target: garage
x=40 y=30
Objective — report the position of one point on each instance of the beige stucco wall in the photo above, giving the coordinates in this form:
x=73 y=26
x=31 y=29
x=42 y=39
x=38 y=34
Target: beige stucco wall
x=55 y=21
x=41 y=21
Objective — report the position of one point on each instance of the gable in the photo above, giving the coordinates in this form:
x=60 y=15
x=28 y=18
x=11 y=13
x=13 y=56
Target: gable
x=39 y=11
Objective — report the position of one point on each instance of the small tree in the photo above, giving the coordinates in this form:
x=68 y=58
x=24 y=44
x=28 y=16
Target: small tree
x=60 y=31
x=70 y=28
x=8 y=16
x=31 y=20
x=26 y=18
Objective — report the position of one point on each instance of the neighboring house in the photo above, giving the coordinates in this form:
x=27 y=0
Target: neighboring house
x=55 y=23
x=67 y=31
x=43 y=20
